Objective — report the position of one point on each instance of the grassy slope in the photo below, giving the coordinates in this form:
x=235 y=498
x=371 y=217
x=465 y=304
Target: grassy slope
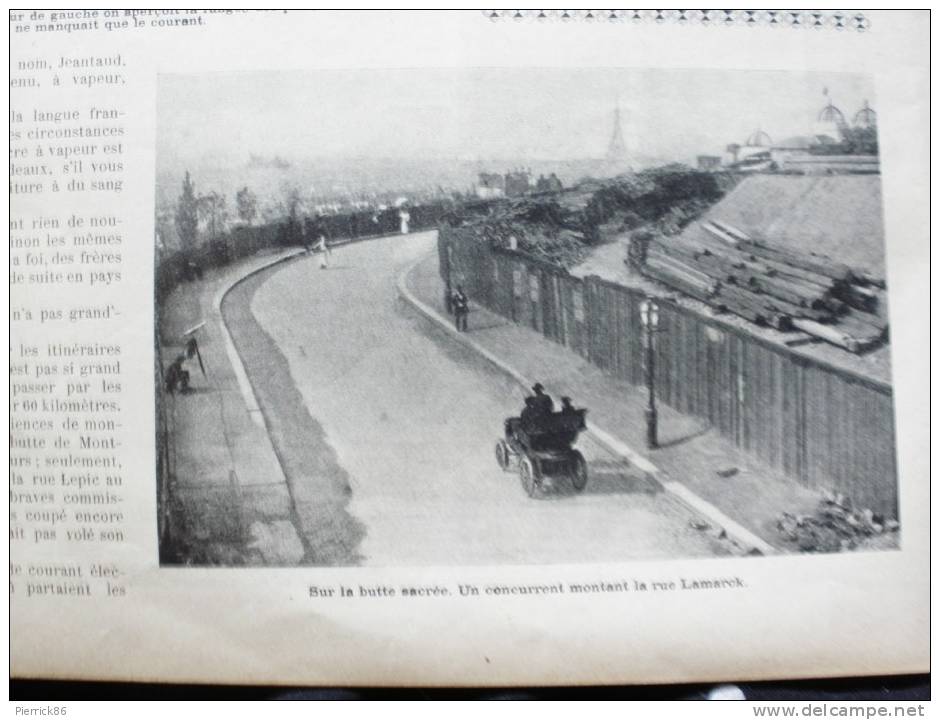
x=839 y=216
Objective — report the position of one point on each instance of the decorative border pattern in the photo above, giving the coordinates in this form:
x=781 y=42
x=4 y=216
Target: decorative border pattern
x=812 y=19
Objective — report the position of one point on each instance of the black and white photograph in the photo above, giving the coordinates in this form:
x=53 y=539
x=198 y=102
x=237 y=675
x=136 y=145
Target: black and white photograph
x=498 y=316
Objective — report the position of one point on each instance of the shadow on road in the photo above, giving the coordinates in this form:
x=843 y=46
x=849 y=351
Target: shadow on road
x=319 y=487
x=486 y=326
x=198 y=390
x=605 y=477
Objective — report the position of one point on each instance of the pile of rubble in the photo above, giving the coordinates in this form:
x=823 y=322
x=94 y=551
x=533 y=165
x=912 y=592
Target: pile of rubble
x=544 y=227
x=835 y=526
x=562 y=226
x=768 y=285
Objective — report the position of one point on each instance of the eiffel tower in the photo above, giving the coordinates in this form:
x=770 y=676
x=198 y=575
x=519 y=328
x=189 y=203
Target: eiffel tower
x=617 y=149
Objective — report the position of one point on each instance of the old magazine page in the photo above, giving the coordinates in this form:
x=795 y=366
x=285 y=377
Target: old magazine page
x=468 y=348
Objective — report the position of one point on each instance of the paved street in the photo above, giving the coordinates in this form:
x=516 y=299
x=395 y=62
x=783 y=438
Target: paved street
x=408 y=419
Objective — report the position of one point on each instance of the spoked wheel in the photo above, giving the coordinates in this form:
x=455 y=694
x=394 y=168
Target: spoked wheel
x=502 y=454
x=529 y=475
x=579 y=471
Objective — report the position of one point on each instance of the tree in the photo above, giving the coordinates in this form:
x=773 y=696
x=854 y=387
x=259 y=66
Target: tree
x=247 y=204
x=187 y=215
x=860 y=140
x=313 y=229
x=293 y=230
x=211 y=208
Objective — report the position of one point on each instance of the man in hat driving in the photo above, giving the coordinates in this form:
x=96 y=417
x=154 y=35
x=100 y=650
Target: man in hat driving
x=542 y=401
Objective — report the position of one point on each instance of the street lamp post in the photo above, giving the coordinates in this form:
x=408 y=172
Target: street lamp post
x=649 y=315
x=448 y=289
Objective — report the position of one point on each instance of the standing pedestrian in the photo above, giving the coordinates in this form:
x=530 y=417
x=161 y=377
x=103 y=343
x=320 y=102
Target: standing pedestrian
x=461 y=306
x=176 y=377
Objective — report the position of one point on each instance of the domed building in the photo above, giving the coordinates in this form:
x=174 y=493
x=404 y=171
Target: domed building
x=829 y=124
x=759 y=138
x=831 y=114
x=832 y=146
x=863 y=135
x=866 y=118
x=755 y=154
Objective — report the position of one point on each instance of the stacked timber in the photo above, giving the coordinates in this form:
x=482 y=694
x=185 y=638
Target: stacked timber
x=780 y=288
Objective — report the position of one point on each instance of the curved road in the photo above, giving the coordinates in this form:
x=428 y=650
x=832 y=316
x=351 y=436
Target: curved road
x=406 y=419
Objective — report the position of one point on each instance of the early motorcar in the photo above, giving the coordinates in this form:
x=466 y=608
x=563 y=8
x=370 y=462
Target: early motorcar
x=542 y=448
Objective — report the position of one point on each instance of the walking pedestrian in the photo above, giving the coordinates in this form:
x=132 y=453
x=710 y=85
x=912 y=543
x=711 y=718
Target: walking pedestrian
x=461 y=305
x=325 y=253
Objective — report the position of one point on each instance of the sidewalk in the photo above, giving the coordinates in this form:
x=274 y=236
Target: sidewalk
x=230 y=503
x=726 y=486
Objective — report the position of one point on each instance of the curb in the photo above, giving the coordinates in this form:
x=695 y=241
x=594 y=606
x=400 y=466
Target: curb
x=291 y=528
x=741 y=535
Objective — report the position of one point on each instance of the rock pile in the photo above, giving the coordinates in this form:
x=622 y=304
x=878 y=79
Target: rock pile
x=836 y=526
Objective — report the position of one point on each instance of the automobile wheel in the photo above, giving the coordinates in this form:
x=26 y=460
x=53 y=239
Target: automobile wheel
x=579 y=471
x=502 y=455
x=529 y=477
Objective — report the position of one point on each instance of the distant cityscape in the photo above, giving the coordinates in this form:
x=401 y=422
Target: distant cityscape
x=332 y=186
x=829 y=142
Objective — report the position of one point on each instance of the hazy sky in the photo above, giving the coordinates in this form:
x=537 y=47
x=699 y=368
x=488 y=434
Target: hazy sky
x=486 y=113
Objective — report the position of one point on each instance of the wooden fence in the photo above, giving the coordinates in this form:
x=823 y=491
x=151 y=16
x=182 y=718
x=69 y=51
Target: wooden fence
x=821 y=425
